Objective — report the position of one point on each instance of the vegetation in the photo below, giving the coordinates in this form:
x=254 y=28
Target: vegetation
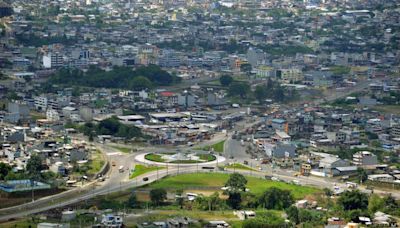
x=154 y=157
x=218 y=180
x=123 y=149
x=158 y=195
x=217 y=147
x=277 y=199
x=225 y=80
x=141 y=169
x=119 y=77
x=239 y=166
x=110 y=126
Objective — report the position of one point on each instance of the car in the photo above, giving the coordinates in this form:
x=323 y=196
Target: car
x=145 y=178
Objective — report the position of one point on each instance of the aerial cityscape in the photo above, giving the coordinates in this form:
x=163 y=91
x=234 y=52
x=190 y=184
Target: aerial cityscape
x=200 y=113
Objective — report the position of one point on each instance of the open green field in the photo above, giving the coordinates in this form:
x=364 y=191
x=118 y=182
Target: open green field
x=217 y=180
x=217 y=147
x=96 y=163
x=141 y=169
x=154 y=158
x=122 y=149
x=239 y=166
x=392 y=109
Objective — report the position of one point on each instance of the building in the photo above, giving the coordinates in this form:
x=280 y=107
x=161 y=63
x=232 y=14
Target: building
x=284 y=151
x=364 y=158
x=53 y=60
x=290 y=75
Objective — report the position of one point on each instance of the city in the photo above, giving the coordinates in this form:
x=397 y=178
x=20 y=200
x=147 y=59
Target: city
x=199 y=113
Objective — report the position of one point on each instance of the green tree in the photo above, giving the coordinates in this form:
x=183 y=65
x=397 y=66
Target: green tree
x=353 y=200
x=140 y=82
x=133 y=201
x=362 y=175
x=180 y=200
x=158 y=195
x=34 y=166
x=328 y=192
x=275 y=198
x=236 y=182
x=375 y=203
x=225 y=80
x=4 y=170
x=246 y=68
x=260 y=93
x=234 y=200
x=293 y=214
x=241 y=89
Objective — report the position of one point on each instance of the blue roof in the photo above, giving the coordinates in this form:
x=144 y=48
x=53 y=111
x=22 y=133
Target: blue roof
x=280 y=121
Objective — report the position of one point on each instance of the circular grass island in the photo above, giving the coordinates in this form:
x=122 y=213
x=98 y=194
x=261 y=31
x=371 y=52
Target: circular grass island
x=180 y=158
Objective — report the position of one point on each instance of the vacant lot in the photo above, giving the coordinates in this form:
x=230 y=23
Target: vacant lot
x=217 y=180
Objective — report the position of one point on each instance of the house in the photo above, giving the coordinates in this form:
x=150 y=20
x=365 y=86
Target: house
x=243 y=215
x=281 y=136
x=284 y=151
x=112 y=221
x=217 y=224
x=381 y=177
x=52 y=225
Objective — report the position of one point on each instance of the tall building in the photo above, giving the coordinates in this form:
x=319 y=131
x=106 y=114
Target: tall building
x=53 y=60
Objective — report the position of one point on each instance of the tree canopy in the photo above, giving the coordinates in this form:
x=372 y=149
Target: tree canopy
x=277 y=199
x=158 y=195
x=225 y=80
x=111 y=126
x=119 y=77
x=352 y=200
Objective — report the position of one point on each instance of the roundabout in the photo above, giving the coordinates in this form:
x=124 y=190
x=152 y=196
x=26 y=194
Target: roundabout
x=180 y=159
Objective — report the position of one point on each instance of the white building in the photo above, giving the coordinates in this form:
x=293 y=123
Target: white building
x=53 y=60
x=52 y=115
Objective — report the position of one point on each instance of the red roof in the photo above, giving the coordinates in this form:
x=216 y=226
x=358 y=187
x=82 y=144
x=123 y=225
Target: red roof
x=167 y=94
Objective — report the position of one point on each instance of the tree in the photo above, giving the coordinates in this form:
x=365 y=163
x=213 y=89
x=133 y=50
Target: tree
x=275 y=198
x=34 y=166
x=260 y=93
x=4 y=170
x=328 y=192
x=375 y=203
x=158 y=195
x=225 y=80
x=352 y=200
x=293 y=214
x=246 y=68
x=234 y=200
x=179 y=198
x=132 y=201
x=241 y=89
x=362 y=175
x=236 y=182
x=140 y=82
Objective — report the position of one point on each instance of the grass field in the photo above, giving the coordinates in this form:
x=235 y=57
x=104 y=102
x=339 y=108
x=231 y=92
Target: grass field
x=96 y=163
x=122 y=149
x=239 y=166
x=217 y=180
x=141 y=169
x=392 y=109
x=154 y=157
x=217 y=147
